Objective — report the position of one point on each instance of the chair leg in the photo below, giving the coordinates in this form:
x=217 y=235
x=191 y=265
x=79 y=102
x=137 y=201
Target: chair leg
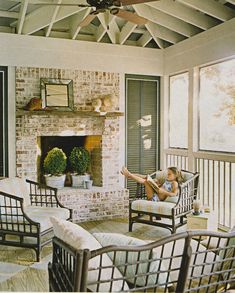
x=130 y=225
x=173 y=226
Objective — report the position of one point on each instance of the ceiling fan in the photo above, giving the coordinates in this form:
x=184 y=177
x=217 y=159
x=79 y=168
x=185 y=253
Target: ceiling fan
x=113 y=6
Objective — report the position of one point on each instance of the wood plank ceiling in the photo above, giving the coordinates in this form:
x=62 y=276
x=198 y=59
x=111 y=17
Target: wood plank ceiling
x=169 y=21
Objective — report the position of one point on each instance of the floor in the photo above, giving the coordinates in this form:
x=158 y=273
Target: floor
x=19 y=272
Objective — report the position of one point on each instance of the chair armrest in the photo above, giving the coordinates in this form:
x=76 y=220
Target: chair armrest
x=187 y=194
x=64 y=275
x=43 y=195
x=12 y=213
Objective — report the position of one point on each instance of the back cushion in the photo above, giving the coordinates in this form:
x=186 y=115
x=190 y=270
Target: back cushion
x=79 y=238
x=186 y=176
x=16 y=186
x=133 y=259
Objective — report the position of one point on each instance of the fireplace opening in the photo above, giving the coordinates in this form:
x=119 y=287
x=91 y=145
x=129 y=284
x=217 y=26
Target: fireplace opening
x=90 y=142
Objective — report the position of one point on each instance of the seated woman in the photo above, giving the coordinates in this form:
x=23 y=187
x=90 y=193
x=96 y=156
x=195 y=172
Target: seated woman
x=169 y=188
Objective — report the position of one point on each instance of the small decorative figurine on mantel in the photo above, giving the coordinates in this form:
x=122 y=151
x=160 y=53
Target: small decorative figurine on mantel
x=34 y=104
x=96 y=104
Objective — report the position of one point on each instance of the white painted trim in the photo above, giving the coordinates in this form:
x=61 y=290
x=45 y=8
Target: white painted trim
x=33 y=51
x=217 y=43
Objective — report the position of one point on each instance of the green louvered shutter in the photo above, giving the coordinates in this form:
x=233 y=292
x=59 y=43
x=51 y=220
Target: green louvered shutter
x=3 y=123
x=142 y=129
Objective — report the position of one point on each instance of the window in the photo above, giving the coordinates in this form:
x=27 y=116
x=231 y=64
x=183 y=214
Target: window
x=178 y=111
x=217 y=107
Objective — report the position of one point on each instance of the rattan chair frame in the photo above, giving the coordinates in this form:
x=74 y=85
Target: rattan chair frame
x=187 y=194
x=14 y=221
x=70 y=268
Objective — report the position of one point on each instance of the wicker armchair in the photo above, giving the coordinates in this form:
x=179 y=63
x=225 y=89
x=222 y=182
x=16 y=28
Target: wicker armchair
x=174 y=209
x=25 y=211
x=176 y=263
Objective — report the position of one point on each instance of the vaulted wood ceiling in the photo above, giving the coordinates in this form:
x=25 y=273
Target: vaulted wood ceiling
x=169 y=21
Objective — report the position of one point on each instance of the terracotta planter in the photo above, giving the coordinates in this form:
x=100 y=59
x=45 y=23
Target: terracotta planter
x=55 y=181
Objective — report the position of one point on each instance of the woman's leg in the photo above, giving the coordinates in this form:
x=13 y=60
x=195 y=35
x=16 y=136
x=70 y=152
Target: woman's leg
x=148 y=189
x=133 y=176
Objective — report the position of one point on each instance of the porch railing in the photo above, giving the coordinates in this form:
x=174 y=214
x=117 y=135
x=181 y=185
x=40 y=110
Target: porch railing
x=217 y=181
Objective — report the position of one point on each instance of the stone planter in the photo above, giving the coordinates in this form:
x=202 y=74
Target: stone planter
x=79 y=180
x=55 y=181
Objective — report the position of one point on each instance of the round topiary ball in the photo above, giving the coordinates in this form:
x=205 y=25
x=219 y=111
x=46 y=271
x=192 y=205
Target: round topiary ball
x=55 y=162
x=79 y=160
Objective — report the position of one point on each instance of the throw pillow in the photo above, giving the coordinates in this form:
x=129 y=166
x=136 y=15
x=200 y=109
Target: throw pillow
x=138 y=264
x=79 y=238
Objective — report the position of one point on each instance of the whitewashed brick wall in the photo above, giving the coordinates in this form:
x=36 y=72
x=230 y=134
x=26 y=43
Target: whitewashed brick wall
x=111 y=200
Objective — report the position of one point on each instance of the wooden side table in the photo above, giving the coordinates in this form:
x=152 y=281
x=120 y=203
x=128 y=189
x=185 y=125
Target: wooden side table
x=204 y=221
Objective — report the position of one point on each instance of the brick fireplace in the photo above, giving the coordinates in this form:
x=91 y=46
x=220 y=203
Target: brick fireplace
x=100 y=134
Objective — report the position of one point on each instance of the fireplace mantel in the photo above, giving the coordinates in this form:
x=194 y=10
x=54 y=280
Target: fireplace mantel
x=73 y=113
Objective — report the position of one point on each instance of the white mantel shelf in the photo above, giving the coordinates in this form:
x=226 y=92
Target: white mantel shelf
x=74 y=113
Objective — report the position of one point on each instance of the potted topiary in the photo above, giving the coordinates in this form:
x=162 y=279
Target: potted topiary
x=79 y=160
x=54 y=165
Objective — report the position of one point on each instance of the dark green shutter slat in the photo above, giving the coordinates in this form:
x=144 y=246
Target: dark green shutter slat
x=142 y=102
x=3 y=122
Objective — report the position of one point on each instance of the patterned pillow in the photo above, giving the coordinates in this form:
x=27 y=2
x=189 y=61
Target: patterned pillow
x=132 y=268
x=79 y=238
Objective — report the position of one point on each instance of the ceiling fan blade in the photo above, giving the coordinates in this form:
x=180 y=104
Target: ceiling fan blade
x=87 y=20
x=130 y=16
x=132 y=2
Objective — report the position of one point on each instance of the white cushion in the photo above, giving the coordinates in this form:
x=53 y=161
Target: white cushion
x=15 y=186
x=79 y=238
x=130 y=271
x=172 y=199
x=159 y=207
x=38 y=214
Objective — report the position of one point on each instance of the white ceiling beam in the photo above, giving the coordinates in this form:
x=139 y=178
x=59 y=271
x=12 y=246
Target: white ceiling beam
x=166 y=20
x=9 y=14
x=184 y=13
x=22 y=14
x=144 y=39
x=64 y=35
x=41 y=17
x=57 y=8
x=164 y=33
x=100 y=33
x=110 y=26
x=126 y=30
x=151 y=27
x=211 y=7
x=76 y=20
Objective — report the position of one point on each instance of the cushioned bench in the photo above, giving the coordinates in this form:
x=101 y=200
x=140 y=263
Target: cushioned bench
x=111 y=262
x=26 y=208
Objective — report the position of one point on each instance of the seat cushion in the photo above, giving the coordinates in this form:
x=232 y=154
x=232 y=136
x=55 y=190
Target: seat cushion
x=79 y=238
x=160 y=207
x=137 y=263
x=38 y=214
x=42 y=215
